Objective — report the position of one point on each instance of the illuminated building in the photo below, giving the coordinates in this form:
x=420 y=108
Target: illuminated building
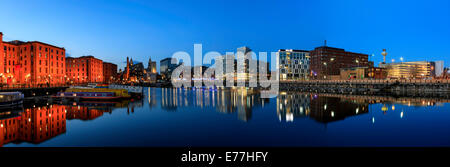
x=151 y=72
x=327 y=61
x=166 y=67
x=410 y=70
x=85 y=69
x=248 y=71
x=363 y=73
x=294 y=64
x=31 y=63
x=109 y=72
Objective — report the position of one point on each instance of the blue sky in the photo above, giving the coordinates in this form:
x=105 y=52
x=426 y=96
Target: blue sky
x=114 y=29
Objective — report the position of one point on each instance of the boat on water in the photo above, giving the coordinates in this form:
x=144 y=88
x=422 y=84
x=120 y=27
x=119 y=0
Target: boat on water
x=88 y=95
x=93 y=94
x=9 y=99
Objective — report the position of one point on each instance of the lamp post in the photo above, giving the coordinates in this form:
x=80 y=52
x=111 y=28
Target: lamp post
x=26 y=79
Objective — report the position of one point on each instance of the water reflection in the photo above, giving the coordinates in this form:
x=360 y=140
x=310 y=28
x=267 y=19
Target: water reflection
x=179 y=109
x=241 y=102
x=40 y=122
x=33 y=125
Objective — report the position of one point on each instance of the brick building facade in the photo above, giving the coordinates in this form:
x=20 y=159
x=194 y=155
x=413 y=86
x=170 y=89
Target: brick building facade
x=109 y=72
x=31 y=63
x=327 y=61
x=85 y=69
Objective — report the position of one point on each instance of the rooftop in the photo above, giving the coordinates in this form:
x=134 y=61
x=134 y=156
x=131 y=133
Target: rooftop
x=292 y=50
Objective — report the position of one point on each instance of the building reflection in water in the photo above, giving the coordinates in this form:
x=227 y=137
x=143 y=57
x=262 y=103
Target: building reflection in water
x=39 y=123
x=320 y=108
x=240 y=101
x=33 y=125
x=92 y=110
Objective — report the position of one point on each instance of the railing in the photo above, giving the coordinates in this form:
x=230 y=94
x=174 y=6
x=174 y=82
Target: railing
x=372 y=81
x=11 y=87
x=132 y=89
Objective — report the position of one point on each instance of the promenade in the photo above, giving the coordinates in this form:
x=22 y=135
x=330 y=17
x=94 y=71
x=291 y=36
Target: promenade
x=375 y=85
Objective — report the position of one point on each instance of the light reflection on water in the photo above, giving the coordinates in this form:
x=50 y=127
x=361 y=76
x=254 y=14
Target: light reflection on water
x=179 y=117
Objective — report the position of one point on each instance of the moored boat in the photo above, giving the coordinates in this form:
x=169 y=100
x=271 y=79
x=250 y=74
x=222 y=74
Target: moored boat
x=8 y=99
x=93 y=94
x=88 y=95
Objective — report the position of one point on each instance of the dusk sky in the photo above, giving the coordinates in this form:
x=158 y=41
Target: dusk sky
x=114 y=29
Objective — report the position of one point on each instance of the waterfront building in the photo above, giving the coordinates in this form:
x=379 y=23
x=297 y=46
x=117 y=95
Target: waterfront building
x=293 y=64
x=363 y=73
x=327 y=61
x=244 y=56
x=109 y=72
x=151 y=72
x=137 y=72
x=439 y=69
x=85 y=69
x=410 y=70
x=31 y=63
x=166 y=68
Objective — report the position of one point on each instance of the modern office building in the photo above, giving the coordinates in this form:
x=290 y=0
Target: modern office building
x=166 y=67
x=439 y=69
x=240 y=67
x=31 y=63
x=85 y=69
x=410 y=70
x=293 y=64
x=109 y=72
x=327 y=61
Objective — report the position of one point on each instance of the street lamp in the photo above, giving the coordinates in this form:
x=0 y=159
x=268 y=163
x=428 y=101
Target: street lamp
x=26 y=78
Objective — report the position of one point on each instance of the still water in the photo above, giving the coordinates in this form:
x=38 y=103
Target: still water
x=175 y=117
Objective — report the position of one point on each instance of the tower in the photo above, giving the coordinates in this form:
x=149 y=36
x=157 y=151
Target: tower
x=127 y=70
x=384 y=53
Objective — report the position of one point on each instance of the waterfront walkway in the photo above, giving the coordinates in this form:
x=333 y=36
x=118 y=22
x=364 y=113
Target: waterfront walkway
x=376 y=85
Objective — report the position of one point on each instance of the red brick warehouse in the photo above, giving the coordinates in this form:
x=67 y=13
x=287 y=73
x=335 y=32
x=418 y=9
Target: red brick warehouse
x=109 y=72
x=31 y=63
x=85 y=69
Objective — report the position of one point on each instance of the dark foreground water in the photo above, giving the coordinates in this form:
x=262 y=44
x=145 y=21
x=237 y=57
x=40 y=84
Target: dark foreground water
x=171 y=117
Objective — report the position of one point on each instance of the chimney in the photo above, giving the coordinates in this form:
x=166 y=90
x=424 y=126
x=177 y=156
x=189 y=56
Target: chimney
x=325 y=43
x=1 y=37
